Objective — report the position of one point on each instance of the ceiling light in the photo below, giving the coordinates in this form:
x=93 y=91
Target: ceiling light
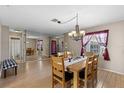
x=77 y=34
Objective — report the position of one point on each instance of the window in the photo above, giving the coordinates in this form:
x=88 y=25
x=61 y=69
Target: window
x=94 y=47
x=96 y=42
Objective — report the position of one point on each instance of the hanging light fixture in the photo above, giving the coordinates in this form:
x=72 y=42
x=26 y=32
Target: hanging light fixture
x=77 y=34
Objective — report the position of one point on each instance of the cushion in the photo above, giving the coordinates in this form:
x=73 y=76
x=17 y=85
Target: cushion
x=82 y=74
x=8 y=63
x=68 y=76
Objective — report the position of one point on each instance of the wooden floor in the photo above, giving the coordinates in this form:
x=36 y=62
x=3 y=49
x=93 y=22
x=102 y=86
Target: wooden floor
x=37 y=74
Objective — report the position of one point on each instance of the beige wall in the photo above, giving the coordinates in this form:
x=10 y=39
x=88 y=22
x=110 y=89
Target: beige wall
x=4 y=44
x=72 y=46
x=31 y=43
x=115 y=46
x=14 y=34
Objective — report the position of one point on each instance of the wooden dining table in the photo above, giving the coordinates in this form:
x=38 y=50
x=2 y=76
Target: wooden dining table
x=76 y=67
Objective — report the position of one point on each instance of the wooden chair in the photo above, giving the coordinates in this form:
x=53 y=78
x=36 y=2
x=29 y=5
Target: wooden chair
x=95 y=65
x=58 y=71
x=87 y=74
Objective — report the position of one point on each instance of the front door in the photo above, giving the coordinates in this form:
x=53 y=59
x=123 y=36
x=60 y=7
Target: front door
x=53 y=47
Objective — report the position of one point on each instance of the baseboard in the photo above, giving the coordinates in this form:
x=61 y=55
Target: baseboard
x=111 y=71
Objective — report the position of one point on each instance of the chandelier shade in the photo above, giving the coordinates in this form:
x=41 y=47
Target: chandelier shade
x=77 y=34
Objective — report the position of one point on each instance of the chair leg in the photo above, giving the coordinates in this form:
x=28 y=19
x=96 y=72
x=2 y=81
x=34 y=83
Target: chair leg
x=52 y=83
x=96 y=78
x=93 y=79
x=85 y=84
x=63 y=85
x=69 y=84
x=93 y=82
x=4 y=73
x=15 y=70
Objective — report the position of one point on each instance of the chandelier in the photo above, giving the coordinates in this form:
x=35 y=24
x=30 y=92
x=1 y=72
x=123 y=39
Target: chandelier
x=77 y=34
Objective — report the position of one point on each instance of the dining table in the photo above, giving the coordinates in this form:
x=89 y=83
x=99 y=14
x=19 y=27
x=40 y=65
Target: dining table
x=75 y=65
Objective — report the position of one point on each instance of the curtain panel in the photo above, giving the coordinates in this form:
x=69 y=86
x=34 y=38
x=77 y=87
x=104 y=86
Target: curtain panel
x=102 y=40
x=84 y=42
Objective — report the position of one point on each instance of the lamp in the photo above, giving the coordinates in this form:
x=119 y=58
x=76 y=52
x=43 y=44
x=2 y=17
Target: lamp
x=77 y=34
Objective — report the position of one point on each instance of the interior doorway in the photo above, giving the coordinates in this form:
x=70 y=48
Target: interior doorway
x=34 y=49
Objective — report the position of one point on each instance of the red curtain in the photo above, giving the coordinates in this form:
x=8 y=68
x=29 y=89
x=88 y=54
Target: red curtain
x=82 y=49
x=104 y=43
x=106 y=53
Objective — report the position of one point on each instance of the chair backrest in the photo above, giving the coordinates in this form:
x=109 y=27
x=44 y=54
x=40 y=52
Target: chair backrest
x=60 y=54
x=88 y=68
x=88 y=54
x=65 y=54
x=58 y=72
x=95 y=62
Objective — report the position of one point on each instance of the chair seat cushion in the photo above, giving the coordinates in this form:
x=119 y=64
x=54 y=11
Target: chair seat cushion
x=68 y=76
x=82 y=74
x=8 y=63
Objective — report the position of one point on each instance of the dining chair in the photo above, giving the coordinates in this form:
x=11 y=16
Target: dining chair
x=87 y=74
x=95 y=65
x=59 y=74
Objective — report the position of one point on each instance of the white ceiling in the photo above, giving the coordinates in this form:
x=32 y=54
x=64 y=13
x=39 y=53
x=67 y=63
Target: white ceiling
x=37 y=18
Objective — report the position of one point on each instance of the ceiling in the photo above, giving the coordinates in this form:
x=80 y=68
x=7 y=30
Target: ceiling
x=38 y=18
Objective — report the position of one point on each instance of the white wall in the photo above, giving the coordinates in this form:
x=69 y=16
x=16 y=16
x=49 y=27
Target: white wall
x=4 y=42
x=115 y=46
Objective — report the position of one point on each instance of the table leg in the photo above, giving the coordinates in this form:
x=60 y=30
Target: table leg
x=76 y=79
